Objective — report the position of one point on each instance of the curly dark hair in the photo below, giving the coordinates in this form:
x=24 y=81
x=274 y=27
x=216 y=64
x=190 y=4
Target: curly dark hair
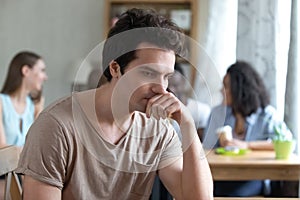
x=247 y=89
x=137 y=26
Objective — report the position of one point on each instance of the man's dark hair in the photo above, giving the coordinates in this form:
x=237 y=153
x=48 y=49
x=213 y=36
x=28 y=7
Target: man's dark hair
x=137 y=26
x=247 y=89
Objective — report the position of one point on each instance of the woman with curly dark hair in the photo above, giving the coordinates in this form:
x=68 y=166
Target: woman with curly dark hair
x=246 y=109
x=246 y=97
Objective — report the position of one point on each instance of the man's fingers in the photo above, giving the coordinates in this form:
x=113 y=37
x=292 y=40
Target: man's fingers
x=158 y=112
x=162 y=106
x=150 y=104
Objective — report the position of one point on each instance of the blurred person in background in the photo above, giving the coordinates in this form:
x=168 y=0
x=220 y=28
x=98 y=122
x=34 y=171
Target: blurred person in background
x=246 y=109
x=21 y=97
x=20 y=100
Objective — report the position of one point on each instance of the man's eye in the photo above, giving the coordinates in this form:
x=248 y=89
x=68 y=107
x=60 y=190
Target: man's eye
x=148 y=74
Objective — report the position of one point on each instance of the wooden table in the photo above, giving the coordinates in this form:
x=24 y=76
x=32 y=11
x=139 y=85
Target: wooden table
x=254 y=165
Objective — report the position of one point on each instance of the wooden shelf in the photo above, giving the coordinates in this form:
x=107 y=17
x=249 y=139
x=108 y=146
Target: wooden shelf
x=165 y=7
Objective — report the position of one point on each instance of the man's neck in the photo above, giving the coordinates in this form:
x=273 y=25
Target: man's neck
x=113 y=124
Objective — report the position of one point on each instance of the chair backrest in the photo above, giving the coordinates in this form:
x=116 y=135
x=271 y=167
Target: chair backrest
x=9 y=157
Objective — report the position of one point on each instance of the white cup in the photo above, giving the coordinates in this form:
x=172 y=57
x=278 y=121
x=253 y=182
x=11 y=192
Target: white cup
x=225 y=134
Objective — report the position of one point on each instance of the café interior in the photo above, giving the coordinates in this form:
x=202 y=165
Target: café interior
x=70 y=36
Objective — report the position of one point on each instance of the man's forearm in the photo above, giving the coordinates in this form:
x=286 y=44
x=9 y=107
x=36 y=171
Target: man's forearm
x=196 y=176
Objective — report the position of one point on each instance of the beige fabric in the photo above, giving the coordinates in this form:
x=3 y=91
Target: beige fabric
x=64 y=148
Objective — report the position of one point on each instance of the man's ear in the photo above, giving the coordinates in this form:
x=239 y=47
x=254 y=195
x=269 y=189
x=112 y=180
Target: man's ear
x=25 y=70
x=115 y=69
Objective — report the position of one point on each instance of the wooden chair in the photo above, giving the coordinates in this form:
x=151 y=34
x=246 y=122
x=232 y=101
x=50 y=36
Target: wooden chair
x=9 y=157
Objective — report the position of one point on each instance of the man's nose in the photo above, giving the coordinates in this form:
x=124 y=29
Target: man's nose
x=163 y=82
x=158 y=89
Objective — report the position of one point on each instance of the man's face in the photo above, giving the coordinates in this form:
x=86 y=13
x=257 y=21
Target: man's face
x=151 y=67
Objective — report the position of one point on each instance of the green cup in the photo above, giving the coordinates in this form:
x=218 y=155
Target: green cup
x=283 y=149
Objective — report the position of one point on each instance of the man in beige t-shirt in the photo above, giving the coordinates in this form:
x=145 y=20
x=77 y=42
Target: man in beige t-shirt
x=110 y=142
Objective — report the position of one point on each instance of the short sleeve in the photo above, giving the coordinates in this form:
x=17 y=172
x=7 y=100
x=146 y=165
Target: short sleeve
x=44 y=155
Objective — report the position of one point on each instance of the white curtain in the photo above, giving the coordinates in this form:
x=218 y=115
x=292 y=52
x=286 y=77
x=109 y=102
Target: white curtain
x=292 y=108
x=217 y=37
x=263 y=40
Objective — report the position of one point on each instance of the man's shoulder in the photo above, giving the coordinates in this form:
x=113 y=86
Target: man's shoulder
x=59 y=104
x=59 y=108
x=53 y=119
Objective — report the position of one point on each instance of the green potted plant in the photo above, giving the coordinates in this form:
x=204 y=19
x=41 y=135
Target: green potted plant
x=283 y=141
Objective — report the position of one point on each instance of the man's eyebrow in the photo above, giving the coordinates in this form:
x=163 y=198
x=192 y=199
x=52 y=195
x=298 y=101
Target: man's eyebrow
x=149 y=68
